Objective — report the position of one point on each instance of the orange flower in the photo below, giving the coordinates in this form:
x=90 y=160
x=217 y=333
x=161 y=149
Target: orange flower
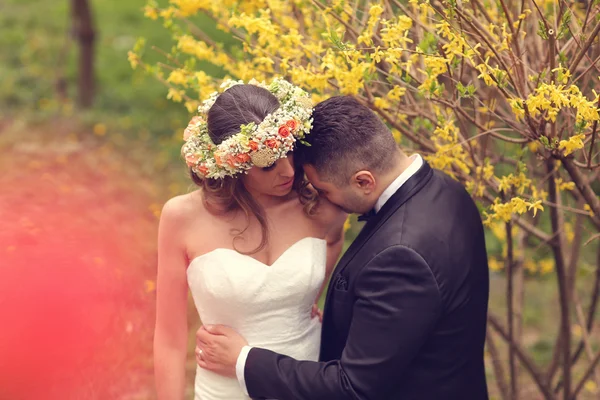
x=242 y=158
x=253 y=145
x=292 y=124
x=203 y=169
x=192 y=128
x=272 y=143
x=187 y=133
x=196 y=119
x=218 y=160
x=231 y=160
x=191 y=159
x=284 y=131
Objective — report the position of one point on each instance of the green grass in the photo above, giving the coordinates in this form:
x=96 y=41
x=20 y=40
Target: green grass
x=35 y=50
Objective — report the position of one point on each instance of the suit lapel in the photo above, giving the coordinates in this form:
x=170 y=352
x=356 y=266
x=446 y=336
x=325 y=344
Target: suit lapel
x=405 y=192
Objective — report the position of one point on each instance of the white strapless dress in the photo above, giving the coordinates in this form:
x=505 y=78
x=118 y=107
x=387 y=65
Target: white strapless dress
x=269 y=305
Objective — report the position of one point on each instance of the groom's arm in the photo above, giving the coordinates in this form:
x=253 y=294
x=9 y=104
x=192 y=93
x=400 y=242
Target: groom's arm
x=398 y=304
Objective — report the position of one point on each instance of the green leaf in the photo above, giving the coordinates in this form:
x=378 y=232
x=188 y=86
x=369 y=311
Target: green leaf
x=139 y=46
x=580 y=126
x=462 y=90
x=562 y=58
x=335 y=39
x=564 y=25
x=542 y=30
x=429 y=43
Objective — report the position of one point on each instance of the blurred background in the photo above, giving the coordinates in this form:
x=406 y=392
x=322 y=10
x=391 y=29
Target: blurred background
x=89 y=152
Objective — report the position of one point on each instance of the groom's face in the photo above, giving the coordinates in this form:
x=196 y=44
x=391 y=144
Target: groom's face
x=346 y=197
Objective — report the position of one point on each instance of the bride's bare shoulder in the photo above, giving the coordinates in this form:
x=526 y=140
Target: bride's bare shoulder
x=181 y=209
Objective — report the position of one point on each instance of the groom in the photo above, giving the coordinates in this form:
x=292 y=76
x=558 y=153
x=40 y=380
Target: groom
x=405 y=315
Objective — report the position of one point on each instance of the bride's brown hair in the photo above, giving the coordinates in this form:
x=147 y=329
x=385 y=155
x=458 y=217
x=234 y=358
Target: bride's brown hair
x=240 y=105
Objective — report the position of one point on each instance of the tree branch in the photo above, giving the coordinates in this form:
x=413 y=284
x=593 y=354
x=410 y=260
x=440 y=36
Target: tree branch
x=557 y=249
x=525 y=360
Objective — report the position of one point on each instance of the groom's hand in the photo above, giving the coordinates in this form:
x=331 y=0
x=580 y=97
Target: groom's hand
x=218 y=348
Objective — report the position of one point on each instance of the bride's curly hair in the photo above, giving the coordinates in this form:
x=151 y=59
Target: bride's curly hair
x=240 y=105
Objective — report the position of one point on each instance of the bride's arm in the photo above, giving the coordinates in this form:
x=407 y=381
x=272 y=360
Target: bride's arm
x=170 y=335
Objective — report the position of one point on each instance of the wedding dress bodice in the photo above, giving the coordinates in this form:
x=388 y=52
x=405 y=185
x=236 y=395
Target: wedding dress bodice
x=269 y=305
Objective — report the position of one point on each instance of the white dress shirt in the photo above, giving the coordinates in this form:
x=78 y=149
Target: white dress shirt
x=415 y=165
x=417 y=162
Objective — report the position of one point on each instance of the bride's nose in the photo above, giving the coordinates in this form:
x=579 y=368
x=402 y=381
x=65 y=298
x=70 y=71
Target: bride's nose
x=286 y=167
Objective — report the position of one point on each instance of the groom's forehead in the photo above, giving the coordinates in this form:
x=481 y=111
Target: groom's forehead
x=312 y=174
x=315 y=179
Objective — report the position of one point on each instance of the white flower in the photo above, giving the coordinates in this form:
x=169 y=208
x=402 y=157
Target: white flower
x=232 y=156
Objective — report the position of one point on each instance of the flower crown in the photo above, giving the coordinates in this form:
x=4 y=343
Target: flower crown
x=256 y=144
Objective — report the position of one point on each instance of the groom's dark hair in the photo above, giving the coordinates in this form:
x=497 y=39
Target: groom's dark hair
x=346 y=137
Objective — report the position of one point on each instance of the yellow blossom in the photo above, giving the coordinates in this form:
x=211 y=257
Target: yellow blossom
x=564 y=185
x=366 y=36
x=175 y=95
x=520 y=182
x=530 y=266
x=347 y=224
x=572 y=144
x=533 y=146
x=150 y=12
x=178 y=77
x=517 y=107
x=569 y=234
x=381 y=103
x=516 y=205
x=191 y=7
x=396 y=93
x=546 y=266
x=495 y=265
x=587 y=208
x=591 y=386
x=133 y=59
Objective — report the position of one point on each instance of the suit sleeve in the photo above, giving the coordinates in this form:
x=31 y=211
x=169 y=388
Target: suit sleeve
x=398 y=304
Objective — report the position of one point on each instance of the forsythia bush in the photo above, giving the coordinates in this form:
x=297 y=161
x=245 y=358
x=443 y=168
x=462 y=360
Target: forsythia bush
x=497 y=93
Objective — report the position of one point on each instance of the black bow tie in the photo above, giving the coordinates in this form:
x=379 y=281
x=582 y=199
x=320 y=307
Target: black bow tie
x=367 y=216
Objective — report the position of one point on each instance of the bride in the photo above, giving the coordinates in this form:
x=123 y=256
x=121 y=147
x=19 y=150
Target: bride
x=254 y=245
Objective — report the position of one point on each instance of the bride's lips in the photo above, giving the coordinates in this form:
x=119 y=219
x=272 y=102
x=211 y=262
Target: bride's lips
x=286 y=184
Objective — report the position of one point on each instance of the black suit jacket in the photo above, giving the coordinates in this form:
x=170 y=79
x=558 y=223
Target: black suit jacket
x=406 y=309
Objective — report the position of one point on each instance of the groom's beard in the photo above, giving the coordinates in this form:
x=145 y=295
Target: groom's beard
x=348 y=211
x=348 y=208
x=354 y=204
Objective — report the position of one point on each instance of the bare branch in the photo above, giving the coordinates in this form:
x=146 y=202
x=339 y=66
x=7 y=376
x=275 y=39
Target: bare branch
x=524 y=358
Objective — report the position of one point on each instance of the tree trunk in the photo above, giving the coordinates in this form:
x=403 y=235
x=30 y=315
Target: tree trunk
x=84 y=33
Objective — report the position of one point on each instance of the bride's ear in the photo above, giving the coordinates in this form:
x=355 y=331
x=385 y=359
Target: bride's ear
x=364 y=181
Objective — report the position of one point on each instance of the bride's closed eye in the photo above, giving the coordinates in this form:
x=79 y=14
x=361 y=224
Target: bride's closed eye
x=269 y=168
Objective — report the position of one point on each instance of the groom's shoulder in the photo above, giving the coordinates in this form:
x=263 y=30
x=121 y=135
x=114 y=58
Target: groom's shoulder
x=440 y=212
x=450 y=183
x=441 y=195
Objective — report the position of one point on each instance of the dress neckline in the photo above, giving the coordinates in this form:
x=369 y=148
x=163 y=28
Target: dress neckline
x=221 y=249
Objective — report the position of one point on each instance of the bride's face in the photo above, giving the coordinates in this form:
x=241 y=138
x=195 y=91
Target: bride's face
x=276 y=180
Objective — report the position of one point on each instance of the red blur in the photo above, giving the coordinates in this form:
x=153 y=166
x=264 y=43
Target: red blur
x=77 y=263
